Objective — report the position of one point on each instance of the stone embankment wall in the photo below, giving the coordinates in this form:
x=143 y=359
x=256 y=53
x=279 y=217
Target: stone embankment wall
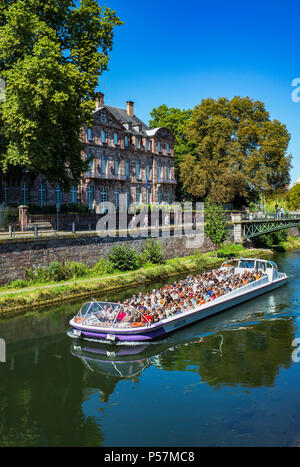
x=18 y=254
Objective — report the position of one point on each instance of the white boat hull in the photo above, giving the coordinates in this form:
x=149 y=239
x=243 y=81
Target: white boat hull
x=169 y=325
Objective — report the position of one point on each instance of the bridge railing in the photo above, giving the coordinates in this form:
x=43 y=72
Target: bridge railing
x=262 y=216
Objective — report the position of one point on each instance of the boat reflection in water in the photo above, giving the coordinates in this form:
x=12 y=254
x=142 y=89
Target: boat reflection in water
x=226 y=349
x=127 y=360
x=118 y=362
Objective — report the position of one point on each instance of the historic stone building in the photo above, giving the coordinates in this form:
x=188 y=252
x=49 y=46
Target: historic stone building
x=125 y=157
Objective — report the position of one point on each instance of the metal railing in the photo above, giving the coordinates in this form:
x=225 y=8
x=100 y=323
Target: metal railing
x=262 y=216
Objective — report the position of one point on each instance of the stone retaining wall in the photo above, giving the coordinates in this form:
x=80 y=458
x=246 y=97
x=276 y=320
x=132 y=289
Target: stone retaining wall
x=18 y=254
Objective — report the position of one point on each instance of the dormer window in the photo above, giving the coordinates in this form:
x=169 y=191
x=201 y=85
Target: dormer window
x=137 y=142
x=158 y=147
x=137 y=128
x=126 y=139
x=116 y=139
x=147 y=145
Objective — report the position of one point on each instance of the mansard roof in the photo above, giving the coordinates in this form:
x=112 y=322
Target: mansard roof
x=134 y=125
x=122 y=116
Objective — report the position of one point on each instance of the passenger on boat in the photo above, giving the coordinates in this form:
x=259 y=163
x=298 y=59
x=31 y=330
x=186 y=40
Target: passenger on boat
x=182 y=296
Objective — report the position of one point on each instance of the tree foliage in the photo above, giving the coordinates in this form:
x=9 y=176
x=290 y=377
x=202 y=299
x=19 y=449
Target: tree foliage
x=175 y=120
x=236 y=153
x=52 y=53
x=216 y=226
x=293 y=197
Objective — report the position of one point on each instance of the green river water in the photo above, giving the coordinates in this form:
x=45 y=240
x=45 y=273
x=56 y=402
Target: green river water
x=231 y=380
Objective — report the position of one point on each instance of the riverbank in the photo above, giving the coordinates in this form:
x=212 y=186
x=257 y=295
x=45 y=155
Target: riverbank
x=292 y=243
x=18 y=301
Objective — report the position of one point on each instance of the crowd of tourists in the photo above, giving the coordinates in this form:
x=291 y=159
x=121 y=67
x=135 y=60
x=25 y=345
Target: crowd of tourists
x=180 y=297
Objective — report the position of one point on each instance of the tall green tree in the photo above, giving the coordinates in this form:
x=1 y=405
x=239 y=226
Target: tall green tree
x=175 y=120
x=52 y=53
x=237 y=152
x=216 y=226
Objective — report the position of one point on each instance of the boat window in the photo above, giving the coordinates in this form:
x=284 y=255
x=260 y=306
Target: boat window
x=113 y=315
x=248 y=264
x=261 y=265
x=230 y=264
x=271 y=265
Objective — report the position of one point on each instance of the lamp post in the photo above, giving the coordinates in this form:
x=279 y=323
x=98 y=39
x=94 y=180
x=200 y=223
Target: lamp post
x=57 y=215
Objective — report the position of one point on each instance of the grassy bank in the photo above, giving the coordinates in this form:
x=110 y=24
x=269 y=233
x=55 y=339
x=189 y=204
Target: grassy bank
x=292 y=243
x=16 y=301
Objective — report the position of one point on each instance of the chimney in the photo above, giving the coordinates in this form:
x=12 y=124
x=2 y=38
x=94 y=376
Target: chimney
x=99 y=99
x=130 y=108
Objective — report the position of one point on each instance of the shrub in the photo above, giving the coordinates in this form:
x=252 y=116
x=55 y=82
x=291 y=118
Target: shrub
x=103 y=267
x=123 y=258
x=57 y=271
x=152 y=252
x=77 y=270
x=10 y=216
x=18 y=284
x=35 y=275
x=70 y=208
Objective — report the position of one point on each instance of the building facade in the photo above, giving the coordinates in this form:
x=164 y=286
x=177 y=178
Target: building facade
x=125 y=157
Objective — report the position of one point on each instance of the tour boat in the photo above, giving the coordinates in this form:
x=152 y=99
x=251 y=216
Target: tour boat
x=123 y=327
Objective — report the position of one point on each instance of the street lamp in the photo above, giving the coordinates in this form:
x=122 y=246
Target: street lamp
x=57 y=215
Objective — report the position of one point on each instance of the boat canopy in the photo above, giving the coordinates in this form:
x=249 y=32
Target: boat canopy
x=249 y=263
x=112 y=315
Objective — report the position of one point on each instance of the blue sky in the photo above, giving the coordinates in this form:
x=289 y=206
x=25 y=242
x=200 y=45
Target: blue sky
x=178 y=53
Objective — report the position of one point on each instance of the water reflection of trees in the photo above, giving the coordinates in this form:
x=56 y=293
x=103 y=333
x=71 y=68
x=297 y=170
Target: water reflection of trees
x=43 y=387
x=250 y=356
x=41 y=399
